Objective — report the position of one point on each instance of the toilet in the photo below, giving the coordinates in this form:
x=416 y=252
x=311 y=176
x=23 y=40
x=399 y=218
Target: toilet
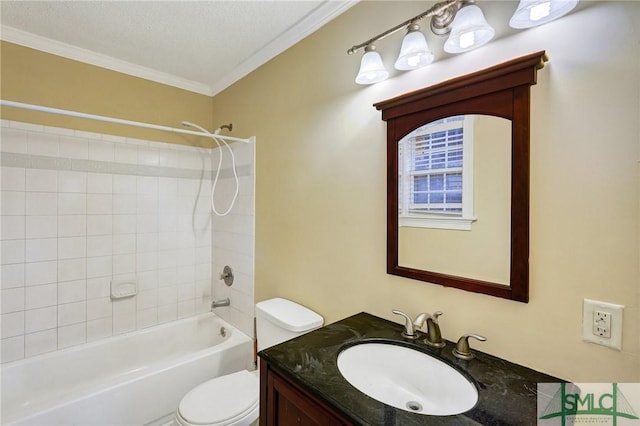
x=233 y=400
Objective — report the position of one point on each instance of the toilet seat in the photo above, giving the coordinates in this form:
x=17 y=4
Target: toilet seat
x=222 y=401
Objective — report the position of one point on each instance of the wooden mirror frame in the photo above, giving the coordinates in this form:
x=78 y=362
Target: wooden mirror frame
x=504 y=91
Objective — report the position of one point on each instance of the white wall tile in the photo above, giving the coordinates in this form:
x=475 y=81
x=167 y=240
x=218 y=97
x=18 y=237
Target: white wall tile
x=100 y=266
x=72 y=247
x=13 y=203
x=72 y=335
x=72 y=313
x=124 y=204
x=12 y=324
x=98 y=287
x=71 y=147
x=99 y=308
x=42 y=144
x=101 y=150
x=99 y=329
x=72 y=291
x=13 y=140
x=72 y=225
x=40 y=342
x=124 y=223
x=38 y=273
x=41 y=203
x=13 y=178
x=123 y=184
x=147 y=317
x=71 y=203
x=167 y=313
x=72 y=269
x=41 y=227
x=40 y=296
x=124 y=243
x=12 y=275
x=126 y=154
x=41 y=319
x=99 y=204
x=41 y=180
x=99 y=224
x=13 y=227
x=41 y=249
x=147 y=261
x=69 y=181
x=186 y=308
x=13 y=251
x=147 y=223
x=124 y=264
x=98 y=183
x=99 y=245
x=12 y=348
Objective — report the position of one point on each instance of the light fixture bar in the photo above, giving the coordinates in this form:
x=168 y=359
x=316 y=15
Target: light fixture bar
x=437 y=9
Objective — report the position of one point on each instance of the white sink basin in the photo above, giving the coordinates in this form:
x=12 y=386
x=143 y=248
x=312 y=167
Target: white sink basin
x=407 y=379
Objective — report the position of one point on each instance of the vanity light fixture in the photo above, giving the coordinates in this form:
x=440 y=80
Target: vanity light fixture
x=464 y=23
x=469 y=30
x=372 y=69
x=531 y=13
x=414 y=52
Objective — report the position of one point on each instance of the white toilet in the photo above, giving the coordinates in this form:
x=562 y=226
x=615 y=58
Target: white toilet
x=232 y=400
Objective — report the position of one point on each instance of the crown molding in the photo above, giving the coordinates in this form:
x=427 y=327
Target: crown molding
x=324 y=13
x=75 y=53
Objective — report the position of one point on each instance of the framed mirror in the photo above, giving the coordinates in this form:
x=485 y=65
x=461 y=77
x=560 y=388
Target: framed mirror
x=449 y=223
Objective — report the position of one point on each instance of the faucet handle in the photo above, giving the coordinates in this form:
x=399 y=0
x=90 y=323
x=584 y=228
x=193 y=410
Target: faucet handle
x=462 y=349
x=409 y=331
x=435 y=316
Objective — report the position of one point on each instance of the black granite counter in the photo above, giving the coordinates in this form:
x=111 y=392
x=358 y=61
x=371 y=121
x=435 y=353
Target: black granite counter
x=506 y=391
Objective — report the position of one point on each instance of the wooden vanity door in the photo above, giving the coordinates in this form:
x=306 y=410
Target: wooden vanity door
x=282 y=403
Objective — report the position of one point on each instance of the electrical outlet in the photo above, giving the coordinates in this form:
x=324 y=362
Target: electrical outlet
x=602 y=323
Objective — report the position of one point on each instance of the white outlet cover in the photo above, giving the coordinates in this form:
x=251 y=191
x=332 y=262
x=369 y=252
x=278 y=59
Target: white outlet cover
x=588 y=308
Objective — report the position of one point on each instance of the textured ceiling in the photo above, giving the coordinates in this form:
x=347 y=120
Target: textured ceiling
x=202 y=46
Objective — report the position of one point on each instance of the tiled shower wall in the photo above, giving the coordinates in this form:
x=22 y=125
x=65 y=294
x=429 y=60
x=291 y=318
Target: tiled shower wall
x=82 y=209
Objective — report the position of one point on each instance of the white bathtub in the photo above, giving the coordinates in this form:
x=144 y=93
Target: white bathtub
x=133 y=379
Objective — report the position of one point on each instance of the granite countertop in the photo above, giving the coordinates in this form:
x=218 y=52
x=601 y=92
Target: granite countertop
x=506 y=392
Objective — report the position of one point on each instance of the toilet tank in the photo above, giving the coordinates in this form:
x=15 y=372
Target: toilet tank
x=278 y=320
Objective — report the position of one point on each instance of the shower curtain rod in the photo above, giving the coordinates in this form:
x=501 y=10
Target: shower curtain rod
x=50 y=110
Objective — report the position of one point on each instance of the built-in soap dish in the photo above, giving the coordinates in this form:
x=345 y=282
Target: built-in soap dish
x=121 y=289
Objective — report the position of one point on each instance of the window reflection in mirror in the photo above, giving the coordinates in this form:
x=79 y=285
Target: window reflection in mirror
x=454 y=197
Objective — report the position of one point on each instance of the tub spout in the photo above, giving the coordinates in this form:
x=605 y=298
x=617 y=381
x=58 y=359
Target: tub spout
x=220 y=303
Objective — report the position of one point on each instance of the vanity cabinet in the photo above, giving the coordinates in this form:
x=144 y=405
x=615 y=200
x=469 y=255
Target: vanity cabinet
x=283 y=403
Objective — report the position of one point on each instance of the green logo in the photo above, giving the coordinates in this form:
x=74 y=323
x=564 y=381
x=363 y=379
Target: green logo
x=570 y=402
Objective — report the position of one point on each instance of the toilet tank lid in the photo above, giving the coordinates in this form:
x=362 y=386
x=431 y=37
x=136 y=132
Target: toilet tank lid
x=288 y=315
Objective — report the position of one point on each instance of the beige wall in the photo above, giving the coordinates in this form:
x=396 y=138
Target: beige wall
x=320 y=194
x=320 y=191
x=34 y=77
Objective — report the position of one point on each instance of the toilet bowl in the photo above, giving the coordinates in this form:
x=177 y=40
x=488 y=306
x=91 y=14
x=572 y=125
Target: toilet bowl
x=233 y=400
x=230 y=400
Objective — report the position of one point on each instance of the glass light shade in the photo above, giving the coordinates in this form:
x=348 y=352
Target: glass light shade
x=531 y=13
x=469 y=30
x=371 y=69
x=414 y=52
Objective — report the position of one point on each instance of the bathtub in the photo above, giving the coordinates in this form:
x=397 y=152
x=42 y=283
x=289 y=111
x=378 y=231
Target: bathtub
x=133 y=379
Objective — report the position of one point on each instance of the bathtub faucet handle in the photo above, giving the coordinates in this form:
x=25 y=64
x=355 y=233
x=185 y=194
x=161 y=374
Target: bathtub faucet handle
x=227 y=275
